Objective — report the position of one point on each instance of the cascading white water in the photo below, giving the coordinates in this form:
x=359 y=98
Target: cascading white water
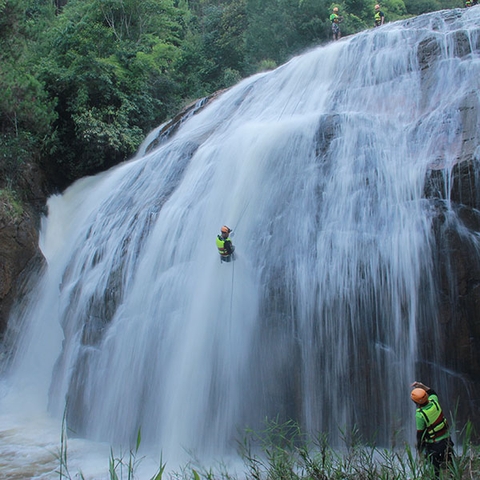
x=319 y=167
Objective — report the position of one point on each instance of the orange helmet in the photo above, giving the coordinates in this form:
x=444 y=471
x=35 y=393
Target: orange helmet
x=419 y=395
x=377 y=7
x=225 y=229
x=335 y=9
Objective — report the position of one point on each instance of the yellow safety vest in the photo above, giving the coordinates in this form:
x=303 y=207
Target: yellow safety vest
x=436 y=426
x=221 y=245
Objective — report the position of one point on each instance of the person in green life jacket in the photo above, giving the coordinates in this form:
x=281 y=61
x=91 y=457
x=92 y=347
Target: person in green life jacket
x=433 y=435
x=336 y=19
x=379 y=16
x=224 y=245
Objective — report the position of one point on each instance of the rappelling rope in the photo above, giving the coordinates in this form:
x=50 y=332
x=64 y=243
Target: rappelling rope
x=240 y=218
x=231 y=294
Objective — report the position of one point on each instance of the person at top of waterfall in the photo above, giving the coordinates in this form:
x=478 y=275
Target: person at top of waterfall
x=379 y=16
x=433 y=435
x=336 y=19
x=224 y=245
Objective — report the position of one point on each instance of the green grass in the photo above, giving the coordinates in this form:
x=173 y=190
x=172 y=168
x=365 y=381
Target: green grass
x=10 y=207
x=286 y=453
x=282 y=451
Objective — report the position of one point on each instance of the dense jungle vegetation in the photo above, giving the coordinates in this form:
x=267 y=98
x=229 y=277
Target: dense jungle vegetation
x=83 y=81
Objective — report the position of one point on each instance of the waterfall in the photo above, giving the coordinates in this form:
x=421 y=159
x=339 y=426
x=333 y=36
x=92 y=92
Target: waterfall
x=319 y=167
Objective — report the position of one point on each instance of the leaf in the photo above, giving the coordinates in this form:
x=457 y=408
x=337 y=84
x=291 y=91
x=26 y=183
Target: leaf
x=196 y=476
x=139 y=439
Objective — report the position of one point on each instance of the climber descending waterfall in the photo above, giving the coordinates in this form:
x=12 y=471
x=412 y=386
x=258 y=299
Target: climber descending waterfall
x=224 y=245
x=332 y=161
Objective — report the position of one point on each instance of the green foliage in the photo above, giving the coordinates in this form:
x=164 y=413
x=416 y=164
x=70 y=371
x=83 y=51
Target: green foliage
x=283 y=451
x=109 y=69
x=272 y=31
x=24 y=103
x=26 y=112
x=266 y=65
x=417 y=7
x=11 y=208
x=227 y=49
x=120 y=468
x=360 y=8
x=83 y=81
x=351 y=23
x=213 y=51
x=394 y=10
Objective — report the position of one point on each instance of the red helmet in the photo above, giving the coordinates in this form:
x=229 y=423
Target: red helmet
x=419 y=395
x=225 y=229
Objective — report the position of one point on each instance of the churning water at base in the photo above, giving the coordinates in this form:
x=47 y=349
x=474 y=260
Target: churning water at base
x=319 y=167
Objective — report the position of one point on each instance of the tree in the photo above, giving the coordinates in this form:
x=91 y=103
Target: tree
x=25 y=110
x=279 y=29
x=109 y=69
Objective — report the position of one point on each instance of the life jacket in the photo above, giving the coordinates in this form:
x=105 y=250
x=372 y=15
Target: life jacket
x=436 y=423
x=334 y=18
x=378 y=18
x=221 y=245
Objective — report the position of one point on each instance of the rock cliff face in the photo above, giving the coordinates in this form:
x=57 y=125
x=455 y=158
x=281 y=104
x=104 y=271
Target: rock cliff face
x=19 y=240
x=457 y=268
x=18 y=245
x=457 y=265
